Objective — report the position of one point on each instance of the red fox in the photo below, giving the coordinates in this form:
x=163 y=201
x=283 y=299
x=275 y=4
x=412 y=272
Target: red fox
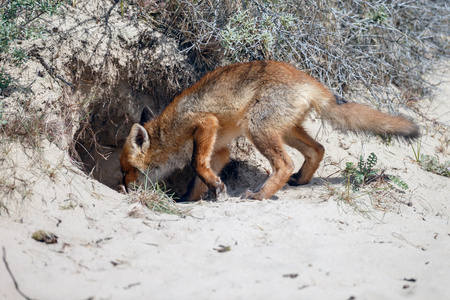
x=267 y=101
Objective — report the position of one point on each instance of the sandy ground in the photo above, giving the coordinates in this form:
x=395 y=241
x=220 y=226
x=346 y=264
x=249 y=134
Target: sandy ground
x=303 y=244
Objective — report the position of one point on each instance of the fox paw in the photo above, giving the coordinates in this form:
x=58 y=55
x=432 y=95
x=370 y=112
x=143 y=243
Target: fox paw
x=296 y=180
x=220 y=192
x=252 y=195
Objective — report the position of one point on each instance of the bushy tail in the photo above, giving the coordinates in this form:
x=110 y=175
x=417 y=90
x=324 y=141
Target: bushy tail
x=361 y=118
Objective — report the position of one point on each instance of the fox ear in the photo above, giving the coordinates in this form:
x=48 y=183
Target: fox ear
x=146 y=115
x=138 y=138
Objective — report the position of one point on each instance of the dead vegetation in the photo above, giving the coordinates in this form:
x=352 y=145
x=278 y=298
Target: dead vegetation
x=384 y=47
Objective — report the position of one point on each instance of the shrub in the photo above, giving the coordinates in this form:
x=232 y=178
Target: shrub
x=345 y=44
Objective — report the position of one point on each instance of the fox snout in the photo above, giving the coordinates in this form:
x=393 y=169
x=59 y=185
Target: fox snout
x=129 y=172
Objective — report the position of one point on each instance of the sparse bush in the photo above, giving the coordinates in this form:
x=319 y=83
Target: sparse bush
x=349 y=45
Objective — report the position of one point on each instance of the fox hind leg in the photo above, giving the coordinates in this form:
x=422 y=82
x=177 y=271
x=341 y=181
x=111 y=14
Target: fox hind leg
x=271 y=146
x=313 y=152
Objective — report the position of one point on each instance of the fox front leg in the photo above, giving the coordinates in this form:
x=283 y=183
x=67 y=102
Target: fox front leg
x=204 y=139
x=197 y=188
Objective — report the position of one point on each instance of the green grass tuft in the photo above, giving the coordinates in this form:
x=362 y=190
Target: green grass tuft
x=157 y=198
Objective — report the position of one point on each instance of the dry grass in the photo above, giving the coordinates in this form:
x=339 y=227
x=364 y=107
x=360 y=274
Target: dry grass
x=27 y=127
x=155 y=197
x=14 y=189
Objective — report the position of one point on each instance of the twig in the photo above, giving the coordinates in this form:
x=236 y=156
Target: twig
x=12 y=276
x=50 y=70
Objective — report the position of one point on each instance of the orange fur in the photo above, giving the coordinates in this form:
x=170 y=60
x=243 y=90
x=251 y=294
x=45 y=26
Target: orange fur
x=265 y=100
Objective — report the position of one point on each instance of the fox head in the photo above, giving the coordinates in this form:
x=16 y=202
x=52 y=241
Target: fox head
x=134 y=154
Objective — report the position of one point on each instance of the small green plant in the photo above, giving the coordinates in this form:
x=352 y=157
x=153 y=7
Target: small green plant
x=399 y=182
x=379 y=16
x=365 y=173
x=19 y=56
x=361 y=174
x=432 y=164
x=366 y=187
x=156 y=198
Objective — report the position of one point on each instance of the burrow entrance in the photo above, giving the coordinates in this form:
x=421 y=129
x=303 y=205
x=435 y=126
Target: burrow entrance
x=108 y=120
